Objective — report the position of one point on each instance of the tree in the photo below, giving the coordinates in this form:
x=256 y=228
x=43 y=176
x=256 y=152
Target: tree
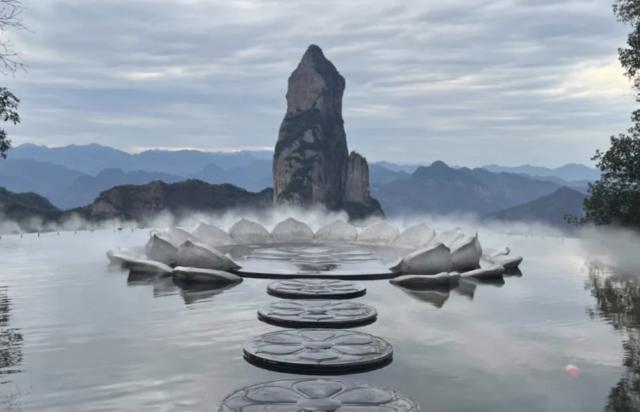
x=615 y=197
x=10 y=18
x=8 y=113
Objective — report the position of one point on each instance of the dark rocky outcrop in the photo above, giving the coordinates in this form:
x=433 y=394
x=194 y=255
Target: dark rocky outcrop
x=141 y=202
x=311 y=162
x=23 y=208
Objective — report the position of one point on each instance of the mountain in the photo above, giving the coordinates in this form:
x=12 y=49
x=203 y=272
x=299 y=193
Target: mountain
x=252 y=176
x=568 y=172
x=93 y=158
x=440 y=189
x=26 y=175
x=380 y=175
x=398 y=167
x=550 y=209
x=311 y=162
x=24 y=208
x=142 y=202
x=84 y=189
x=86 y=159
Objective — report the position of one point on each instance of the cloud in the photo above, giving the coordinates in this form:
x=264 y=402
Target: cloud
x=466 y=81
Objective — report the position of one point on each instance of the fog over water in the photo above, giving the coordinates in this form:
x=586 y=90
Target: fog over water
x=76 y=334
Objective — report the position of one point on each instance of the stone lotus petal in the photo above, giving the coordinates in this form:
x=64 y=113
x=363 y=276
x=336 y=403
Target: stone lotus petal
x=415 y=236
x=212 y=235
x=509 y=262
x=161 y=249
x=246 y=232
x=209 y=276
x=121 y=257
x=139 y=265
x=175 y=235
x=488 y=254
x=381 y=232
x=466 y=253
x=449 y=237
x=198 y=255
x=337 y=231
x=486 y=272
x=430 y=260
x=426 y=281
x=292 y=230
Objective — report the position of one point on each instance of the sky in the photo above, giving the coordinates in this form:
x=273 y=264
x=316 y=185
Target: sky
x=469 y=82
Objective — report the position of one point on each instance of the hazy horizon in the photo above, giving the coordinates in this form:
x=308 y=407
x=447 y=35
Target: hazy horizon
x=467 y=82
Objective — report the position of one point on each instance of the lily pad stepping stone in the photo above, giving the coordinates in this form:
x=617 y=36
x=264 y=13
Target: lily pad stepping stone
x=320 y=314
x=315 y=289
x=318 y=351
x=313 y=394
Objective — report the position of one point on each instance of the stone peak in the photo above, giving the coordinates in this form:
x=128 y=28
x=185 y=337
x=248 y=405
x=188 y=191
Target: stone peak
x=315 y=58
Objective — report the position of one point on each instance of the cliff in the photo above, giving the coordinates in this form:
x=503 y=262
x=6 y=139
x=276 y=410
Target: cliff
x=311 y=162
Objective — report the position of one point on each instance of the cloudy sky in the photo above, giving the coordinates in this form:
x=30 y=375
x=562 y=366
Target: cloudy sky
x=466 y=81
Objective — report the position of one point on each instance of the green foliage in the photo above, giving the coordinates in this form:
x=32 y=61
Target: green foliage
x=615 y=197
x=8 y=113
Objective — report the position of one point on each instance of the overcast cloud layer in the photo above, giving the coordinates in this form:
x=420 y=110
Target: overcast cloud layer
x=466 y=81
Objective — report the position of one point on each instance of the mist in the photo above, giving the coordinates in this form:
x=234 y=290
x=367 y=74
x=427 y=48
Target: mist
x=614 y=248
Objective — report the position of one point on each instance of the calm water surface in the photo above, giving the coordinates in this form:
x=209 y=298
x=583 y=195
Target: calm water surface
x=78 y=336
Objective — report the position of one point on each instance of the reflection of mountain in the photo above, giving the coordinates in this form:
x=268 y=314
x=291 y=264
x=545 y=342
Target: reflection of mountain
x=10 y=339
x=618 y=302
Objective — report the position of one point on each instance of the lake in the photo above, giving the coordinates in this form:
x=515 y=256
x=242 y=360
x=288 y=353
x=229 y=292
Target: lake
x=76 y=335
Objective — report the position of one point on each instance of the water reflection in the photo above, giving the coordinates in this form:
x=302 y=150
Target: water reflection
x=618 y=302
x=11 y=342
x=437 y=296
x=167 y=286
x=10 y=339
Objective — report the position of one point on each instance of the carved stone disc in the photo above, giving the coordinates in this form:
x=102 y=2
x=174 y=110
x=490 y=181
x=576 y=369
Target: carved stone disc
x=313 y=394
x=318 y=351
x=320 y=314
x=315 y=289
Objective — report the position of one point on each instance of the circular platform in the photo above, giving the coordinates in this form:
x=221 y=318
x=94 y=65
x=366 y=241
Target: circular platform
x=321 y=314
x=327 y=395
x=318 y=351
x=314 y=260
x=315 y=289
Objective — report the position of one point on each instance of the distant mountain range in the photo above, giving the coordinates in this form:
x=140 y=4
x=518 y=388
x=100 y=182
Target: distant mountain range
x=550 y=209
x=440 y=189
x=568 y=173
x=73 y=176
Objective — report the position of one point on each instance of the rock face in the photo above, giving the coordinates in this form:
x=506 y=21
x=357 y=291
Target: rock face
x=142 y=202
x=311 y=163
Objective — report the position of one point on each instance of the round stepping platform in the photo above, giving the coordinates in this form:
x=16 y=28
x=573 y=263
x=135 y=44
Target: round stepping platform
x=318 y=351
x=313 y=394
x=320 y=314
x=314 y=260
x=315 y=289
